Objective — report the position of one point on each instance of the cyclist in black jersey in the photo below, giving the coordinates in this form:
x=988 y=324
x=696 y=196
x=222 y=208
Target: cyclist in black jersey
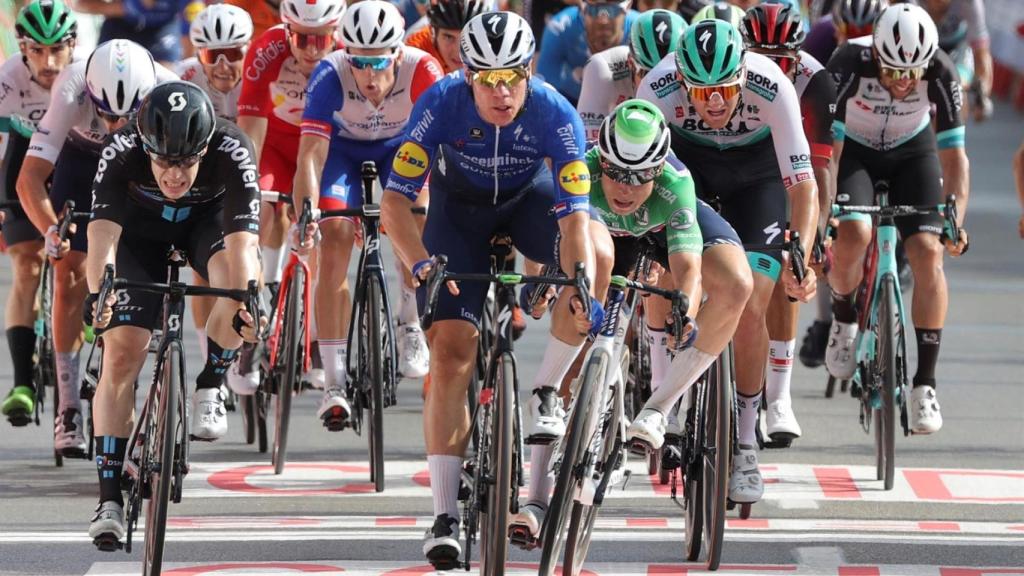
x=176 y=177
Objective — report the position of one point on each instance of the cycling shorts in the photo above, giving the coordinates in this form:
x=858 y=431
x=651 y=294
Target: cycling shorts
x=146 y=241
x=277 y=162
x=746 y=184
x=341 y=182
x=913 y=172
x=17 y=228
x=462 y=229
x=72 y=180
x=163 y=41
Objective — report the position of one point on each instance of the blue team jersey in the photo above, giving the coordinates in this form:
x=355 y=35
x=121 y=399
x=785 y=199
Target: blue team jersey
x=564 y=51
x=446 y=132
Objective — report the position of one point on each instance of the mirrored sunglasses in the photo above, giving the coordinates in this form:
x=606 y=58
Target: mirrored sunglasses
x=167 y=162
x=896 y=74
x=303 y=41
x=630 y=177
x=210 y=56
x=706 y=93
x=611 y=10
x=371 y=62
x=507 y=76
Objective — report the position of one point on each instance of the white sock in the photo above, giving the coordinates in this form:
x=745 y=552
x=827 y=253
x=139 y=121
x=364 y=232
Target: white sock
x=686 y=367
x=540 y=478
x=558 y=358
x=444 y=483
x=749 y=405
x=68 y=378
x=332 y=355
x=408 y=313
x=660 y=356
x=273 y=263
x=780 y=370
x=823 y=298
x=203 y=344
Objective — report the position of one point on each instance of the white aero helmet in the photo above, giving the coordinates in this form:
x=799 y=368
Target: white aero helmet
x=221 y=26
x=495 y=40
x=312 y=13
x=372 y=24
x=117 y=76
x=905 y=36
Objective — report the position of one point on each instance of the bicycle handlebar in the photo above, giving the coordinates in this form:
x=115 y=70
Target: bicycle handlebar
x=949 y=212
x=680 y=302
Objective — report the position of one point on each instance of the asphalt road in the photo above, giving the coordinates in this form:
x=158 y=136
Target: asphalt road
x=957 y=507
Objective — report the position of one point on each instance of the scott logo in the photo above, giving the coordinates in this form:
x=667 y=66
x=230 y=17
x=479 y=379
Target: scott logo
x=177 y=101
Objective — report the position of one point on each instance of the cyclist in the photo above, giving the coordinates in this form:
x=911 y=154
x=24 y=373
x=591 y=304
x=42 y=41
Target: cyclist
x=441 y=38
x=487 y=131
x=88 y=100
x=775 y=31
x=849 y=19
x=221 y=34
x=888 y=84
x=726 y=11
x=574 y=34
x=46 y=31
x=358 y=102
x=177 y=177
x=964 y=36
x=731 y=109
x=159 y=26
x=265 y=14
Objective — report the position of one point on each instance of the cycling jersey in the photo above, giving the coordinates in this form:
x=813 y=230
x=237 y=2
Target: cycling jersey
x=423 y=39
x=564 y=51
x=265 y=15
x=22 y=100
x=224 y=104
x=768 y=108
x=72 y=115
x=607 y=82
x=868 y=114
x=964 y=21
x=821 y=40
x=817 y=96
x=494 y=163
x=273 y=87
x=671 y=208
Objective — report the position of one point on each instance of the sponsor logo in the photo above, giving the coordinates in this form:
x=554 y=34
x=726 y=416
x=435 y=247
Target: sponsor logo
x=731 y=128
x=800 y=161
x=476 y=133
x=410 y=161
x=762 y=86
x=419 y=130
x=771 y=232
x=118 y=144
x=568 y=138
x=246 y=168
x=957 y=94
x=264 y=57
x=642 y=215
x=787 y=181
x=575 y=178
x=177 y=101
x=800 y=177
x=665 y=85
x=682 y=219
x=680 y=112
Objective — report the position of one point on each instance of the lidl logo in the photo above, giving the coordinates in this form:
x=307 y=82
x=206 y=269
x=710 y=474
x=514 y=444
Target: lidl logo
x=410 y=161
x=575 y=178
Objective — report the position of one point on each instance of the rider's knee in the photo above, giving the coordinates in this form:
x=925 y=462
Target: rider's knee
x=731 y=283
x=452 y=345
x=924 y=251
x=26 y=267
x=123 y=352
x=853 y=235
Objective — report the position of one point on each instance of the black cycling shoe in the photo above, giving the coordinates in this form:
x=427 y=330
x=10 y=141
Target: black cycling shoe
x=441 y=546
x=671 y=455
x=812 y=351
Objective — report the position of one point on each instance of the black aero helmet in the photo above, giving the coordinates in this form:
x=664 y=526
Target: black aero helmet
x=176 y=120
x=453 y=14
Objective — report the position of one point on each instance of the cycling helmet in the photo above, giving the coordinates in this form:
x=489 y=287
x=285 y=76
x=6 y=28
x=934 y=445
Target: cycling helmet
x=176 y=120
x=118 y=74
x=495 y=40
x=689 y=8
x=46 y=22
x=857 y=13
x=372 y=24
x=710 y=53
x=719 y=11
x=634 y=136
x=905 y=36
x=654 y=35
x=773 y=26
x=312 y=13
x=221 y=26
x=453 y=14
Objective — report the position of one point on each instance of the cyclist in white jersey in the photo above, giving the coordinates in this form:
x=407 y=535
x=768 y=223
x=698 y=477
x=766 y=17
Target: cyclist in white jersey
x=221 y=35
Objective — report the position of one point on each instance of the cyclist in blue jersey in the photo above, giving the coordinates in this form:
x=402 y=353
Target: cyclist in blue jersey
x=484 y=135
x=159 y=26
x=574 y=34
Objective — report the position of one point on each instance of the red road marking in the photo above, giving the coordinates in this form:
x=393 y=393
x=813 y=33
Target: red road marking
x=859 y=571
x=243 y=522
x=683 y=570
x=421 y=570
x=758 y=523
x=647 y=522
x=836 y=482
x=928 y=484
x=422 y=478
x=399 y=521
x=236 y=480
x=292 y=566
x=939 y=526
x=979 y=571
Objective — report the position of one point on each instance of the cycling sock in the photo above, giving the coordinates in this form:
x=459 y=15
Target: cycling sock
x=22 y=342
x=408 y=313
x=749 y=405
x=445 y=472
x=660 y=356
x=928 y=342
x=824 y=303
x=780 y=370
x=540 y=477
x=558 y=358
x=843 y=307
x=109 y=463
x=68 y=379
x=332 y=355
x=273 y=264
x=203 y=348
x=217 y=362
x=686 y=367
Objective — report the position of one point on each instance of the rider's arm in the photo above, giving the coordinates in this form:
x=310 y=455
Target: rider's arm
x=254 y=102
x=255 y=127
x=103 y=238
x=324 y=97
x=945 y=93
x=595 y=96
x=31 y=188
x=685 y=240
x=685 y=268
x=956 y=178
x=104 y=232
x=572 y=186
x=793 y=156
x=978 y=36
x=99 y=8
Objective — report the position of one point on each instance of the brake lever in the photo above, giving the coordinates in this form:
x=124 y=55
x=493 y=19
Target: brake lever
x=796 y=259
x=434 y=282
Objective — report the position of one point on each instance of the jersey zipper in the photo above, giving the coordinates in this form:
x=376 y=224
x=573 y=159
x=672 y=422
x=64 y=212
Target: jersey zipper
x=497 y=136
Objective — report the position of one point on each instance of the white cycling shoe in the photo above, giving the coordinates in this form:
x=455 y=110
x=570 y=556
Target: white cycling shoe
x=334 y=409
x=547 y=417
x=209 y=417
x=524 y=529
x=107 y=525
x=68 y=436
x=841 y=353
x=648 y=428
x=243 y=384
x=413 y=353
x=925 y=414
x=745 y=483
x=782 y=421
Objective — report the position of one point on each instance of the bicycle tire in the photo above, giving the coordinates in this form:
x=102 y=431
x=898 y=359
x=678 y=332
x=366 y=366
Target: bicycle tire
x=288 y=372
x=161 y=445
x=58 y=458
x=693 y=494
x=249 y=418
x=888 y=317
x=502 y=471
x=717 y=459
x=574 y=452
x=262 y=407
x=374 y=386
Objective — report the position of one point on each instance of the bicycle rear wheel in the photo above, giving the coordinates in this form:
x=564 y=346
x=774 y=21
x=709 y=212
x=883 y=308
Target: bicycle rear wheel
x=159 y=456
x=717 y=457
x=888 y=317
x=501 y=474
x=288 y=369
x=373 y=386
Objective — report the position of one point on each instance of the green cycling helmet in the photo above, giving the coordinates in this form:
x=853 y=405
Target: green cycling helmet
x=654 y=35
x=46 y=22
x=634 y=137
x=720 y=11
x=711 y=53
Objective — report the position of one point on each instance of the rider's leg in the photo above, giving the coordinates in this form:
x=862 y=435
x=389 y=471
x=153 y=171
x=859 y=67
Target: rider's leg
x=20 y=312
x=413 y=352
x=69 y=292
x=782 y=319
x=334 y=312
x=931 y=299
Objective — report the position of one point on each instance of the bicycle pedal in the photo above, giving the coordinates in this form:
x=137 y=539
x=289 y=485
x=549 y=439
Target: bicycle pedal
x=520 y=537
x=336 y=420
x=107 y=543
x=77 y=454
x=19 y=419
x=540 y=439
x=780 y=440
x=195 y=438
x=639 y=447
x=443 y=561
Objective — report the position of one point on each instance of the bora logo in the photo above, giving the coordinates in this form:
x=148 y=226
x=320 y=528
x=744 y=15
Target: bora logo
x=575 y=178
x=410 y=161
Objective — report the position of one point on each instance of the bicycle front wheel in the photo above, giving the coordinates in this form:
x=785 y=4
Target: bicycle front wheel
x=717 y=456
x=288 y=369
x=502 y=473
x=374 y=385
x=159 y=458
x=888 y=319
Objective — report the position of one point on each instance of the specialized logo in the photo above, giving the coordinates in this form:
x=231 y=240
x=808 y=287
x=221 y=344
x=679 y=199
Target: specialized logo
x=661 y=28
x=682 y=219
x=410 y=161
x=493 y=22
x=575 y=178
x=704 y=40
x=177 y=101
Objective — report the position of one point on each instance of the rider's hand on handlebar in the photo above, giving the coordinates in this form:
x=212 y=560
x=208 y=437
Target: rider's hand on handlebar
x=246 y=328
x=55 y=248
x=686 y=339
x=541 y=307
x=303 y=246
x=955 y=250
x=102 y=319
x=421 y=274
x=586 y=324
x=802 y=291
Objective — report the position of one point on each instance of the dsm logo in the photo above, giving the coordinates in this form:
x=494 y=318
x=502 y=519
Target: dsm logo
x=575 y=178
x=410 y=161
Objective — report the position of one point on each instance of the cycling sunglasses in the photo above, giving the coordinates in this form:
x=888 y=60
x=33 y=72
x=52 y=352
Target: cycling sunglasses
x=167 y=162
x=303 y=41
x=855 y=31
x=706 y=93
x=371 y=62
x=107 y=116
x=611 y=10
x=507 y=76
x=630 y=177
x=210 y=56
x=896 y=74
